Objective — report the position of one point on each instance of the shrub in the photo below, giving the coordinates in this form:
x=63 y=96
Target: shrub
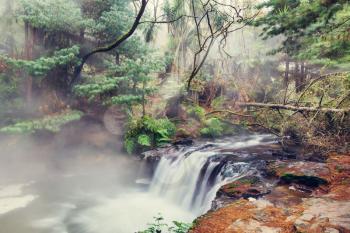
x=160 y=227
x=197 y=112
x=213 y=128
x=148 y=132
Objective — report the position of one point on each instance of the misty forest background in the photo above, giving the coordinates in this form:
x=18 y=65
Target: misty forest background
x=173 y=69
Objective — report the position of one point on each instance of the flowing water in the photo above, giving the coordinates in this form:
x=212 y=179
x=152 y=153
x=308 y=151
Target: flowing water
x=87 y=191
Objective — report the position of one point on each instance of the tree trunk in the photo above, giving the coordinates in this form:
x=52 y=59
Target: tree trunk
x=117 y=58
x=82 y=35
x=28 y=56
x=297 y=77
x=302 y=76
x=143 y=99
x=286 y=74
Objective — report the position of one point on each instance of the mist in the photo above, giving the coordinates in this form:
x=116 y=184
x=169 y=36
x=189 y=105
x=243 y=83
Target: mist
x=173 y=116
x=52 y=169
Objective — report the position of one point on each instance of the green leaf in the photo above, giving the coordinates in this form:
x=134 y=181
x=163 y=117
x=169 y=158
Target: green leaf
x=129 y=145
x=144 y=140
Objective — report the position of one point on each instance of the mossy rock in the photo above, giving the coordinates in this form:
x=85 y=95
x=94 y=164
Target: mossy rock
x=309 y=181
x=249 y=186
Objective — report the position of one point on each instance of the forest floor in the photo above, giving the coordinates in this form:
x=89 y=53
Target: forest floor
x=309 y=197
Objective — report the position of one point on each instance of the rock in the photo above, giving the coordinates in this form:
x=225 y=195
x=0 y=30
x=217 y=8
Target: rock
x=339 y=166
x=256 y=216
x=252 y=226
x=331 y=230
x=246 y=187
x=183 y=142
x=295 y=204
x=174 y=109
x=285 y=197
x=153 y=157
x=299 y=168
x=249 y=186
x=305 y=176
x=92 y=134
x=321 y=212
x=301 y=180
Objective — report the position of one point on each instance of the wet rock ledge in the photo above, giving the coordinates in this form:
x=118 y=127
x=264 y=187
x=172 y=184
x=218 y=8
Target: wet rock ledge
x=288 y=197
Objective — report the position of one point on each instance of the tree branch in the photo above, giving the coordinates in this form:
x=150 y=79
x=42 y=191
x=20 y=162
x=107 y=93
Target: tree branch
x=112 y=46
x=228 y=111
x=293 y=108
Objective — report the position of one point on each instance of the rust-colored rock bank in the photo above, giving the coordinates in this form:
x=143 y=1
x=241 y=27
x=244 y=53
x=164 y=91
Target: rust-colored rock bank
x=307 y=197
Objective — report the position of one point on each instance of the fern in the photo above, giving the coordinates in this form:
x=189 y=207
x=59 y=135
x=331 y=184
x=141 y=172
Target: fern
x=144 y=140
x=148 y=132
x=129 y=145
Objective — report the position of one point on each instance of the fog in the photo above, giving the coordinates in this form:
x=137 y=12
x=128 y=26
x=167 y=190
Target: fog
x=79 y=180
x=67 y=184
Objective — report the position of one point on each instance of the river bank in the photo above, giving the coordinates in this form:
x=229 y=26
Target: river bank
x=308 y=197
x=283 y=190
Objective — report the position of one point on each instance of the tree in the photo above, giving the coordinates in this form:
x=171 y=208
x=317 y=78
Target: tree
x=313 y=31
x=126 y=84
x=115 y=44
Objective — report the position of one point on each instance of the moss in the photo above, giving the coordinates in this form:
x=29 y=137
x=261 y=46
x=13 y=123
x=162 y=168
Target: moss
x=249 y=180
x=339 y=168
x=310 y=181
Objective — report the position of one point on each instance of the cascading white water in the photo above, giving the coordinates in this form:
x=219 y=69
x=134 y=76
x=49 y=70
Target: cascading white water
x=191 y=177
x=93 y=199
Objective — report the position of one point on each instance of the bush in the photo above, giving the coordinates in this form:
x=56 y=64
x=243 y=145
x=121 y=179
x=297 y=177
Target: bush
x=213 y=128
x=197 y=112
x=160 y=227
x=148 y=132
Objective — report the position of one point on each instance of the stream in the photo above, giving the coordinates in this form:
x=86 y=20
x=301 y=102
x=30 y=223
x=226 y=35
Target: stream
x=80 y=190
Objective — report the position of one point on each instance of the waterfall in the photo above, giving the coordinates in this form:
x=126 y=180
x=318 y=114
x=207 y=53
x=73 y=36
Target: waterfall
x=191 y=176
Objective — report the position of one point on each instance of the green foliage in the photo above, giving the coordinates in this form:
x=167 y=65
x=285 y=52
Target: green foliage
x=98 y=86
x=197 y=112
x=314 y=30
x=10 y=97
x=213 y=128
x=52 y=15
x=126 y=99
x=43 y=65
x=148 y=132
x=332 y=47
x=126 y=84
x=218 y=102
x=50 y=123
x=331 y=92
x=113 y=22
x=160 y=227
x=144 y=140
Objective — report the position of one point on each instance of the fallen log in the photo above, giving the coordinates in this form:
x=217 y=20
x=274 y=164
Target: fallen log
x=228 y=111
x=293 y=108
